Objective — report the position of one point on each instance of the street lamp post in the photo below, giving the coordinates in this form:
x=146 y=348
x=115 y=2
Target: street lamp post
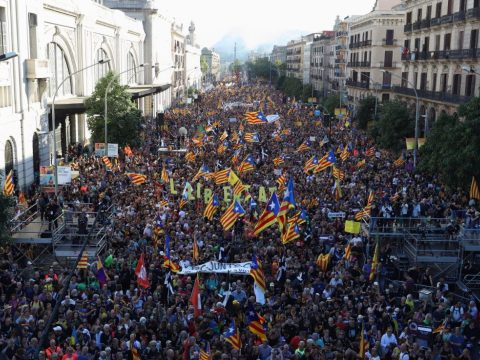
x=417 y=115
x=186 y=81
x=376 y=93
x=107 y=89
x=54 y=125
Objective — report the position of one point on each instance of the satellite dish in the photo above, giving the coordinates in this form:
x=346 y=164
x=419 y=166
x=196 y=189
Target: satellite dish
x=182 y=131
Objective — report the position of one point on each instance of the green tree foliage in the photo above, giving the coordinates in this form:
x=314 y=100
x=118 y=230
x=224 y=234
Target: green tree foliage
x=394 y=124
x=235 y=67
x=291 y=86
x=123 y=118
x=331 y=102
x=203 y=64
x=6 y=214
x=366 y=112
x=260 y=68
x=451 y=149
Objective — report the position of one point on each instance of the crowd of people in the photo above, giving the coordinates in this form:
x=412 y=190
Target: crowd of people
x=345 y=309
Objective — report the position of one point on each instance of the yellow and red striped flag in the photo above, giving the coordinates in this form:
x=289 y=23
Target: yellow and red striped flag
x=83 y=263
x=164 y=175
x=183 y=202
x=375 y=260
x=238 y=188
x=190 y=156
x=278 y=161
x=338 y=174
x=345 y=153
x=322 y=261
x=211 y=207
x=474 y=191
x=195 y=251
x=221 y=176
x=399 y=162
x=137 y=179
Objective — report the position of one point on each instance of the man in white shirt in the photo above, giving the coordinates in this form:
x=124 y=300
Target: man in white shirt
x=388 y=339
x=403 y=352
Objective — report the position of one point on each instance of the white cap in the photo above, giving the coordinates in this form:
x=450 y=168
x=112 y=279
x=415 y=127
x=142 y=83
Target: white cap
x=57 y=328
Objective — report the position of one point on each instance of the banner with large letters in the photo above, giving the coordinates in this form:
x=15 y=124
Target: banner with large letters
x=217 y=267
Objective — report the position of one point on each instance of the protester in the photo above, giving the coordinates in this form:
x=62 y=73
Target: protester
x=133 y=305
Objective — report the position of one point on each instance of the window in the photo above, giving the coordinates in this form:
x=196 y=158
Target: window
x=449 y=7
x=434 y=82
x=100 y=70
x=409 y=18
x=8 y=157
x=443 y=82
x=429 y=12
x=131 y=74
x=460 y=40
x=32 y=35
x=3 y=31
x=457 y=83
x=417 y=44
x=387 y=79
x=446 y=42
x=423 y=81
x=388 y=57
x=438 y=10
x=470 y=85
x=415 y=77
x=462 y=5
x=389 y=37
x=437 y=42
x=473 y=39
x=59 y=69
x=404 y=79
x=419 y=15
x=426 y=44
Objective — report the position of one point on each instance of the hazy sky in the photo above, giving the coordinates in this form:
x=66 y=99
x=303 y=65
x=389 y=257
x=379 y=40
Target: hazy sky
x=259 y=21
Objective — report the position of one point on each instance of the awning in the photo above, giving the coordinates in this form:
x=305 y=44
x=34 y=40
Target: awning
x=139 y=91
x=74 y=104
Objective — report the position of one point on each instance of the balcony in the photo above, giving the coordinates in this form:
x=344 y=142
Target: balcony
x=473 y=13
x=340 y=61
x=433 y=95
x=425 y=24
x=341 y=33
x=447 y=19
x=407 y=27
x=416 y=25
x=459 y=16
x=435 y=21
x=388 y=65
x=389 y=42
x=359 y=64
x=366 y=43
x=359 y=84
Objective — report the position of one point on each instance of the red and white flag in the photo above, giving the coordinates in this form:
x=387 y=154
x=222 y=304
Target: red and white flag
x=195 y=299
x=141 y=273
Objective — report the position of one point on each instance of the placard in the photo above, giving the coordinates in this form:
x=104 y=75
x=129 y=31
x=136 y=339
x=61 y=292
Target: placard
x=100 y=150
x=352 y=227
x=64 y=175
x=47 y=176
x=217 y=268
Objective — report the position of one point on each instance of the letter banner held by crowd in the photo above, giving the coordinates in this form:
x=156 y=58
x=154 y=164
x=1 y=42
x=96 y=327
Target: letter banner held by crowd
x=218 y=268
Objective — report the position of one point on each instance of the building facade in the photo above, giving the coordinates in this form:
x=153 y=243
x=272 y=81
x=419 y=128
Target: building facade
x=295 y=62
x=157 y=50
x=55 y=40
x=193 y=72
x=178 y=56
x=374 y=57
x=278 y=55
x=319 y=58
x=212 y=59
x=440 y=56
x=340 y=53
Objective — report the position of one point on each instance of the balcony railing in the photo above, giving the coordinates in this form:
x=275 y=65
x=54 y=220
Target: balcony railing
x=340 y=61
x=433 y=95
x=447 y=19
x=407 y=27
x=425 y=24
x=388 y=65
x=359 y=64
x=459 y=16
x=435 y=21
x=389 y=42
x=366 y=43
x=359 y=84
x=416 y=25
x=473 y=13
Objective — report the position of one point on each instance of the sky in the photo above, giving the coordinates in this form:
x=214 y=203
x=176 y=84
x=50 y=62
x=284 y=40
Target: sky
x=260 y=21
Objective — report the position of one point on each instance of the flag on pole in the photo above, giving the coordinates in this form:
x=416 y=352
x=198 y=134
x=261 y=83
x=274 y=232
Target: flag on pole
x=325 y=162
x=251 y=137
x=137 y=179
x=278 y=161
x=211 y=207
x=232 y=336
x=169 y=282
x=101 y=275
x=107 y=162
x=345 y=153
x=365 y=212
x=375 y=260
x=164 y=175
x=257 y=325
x=83 y=263
x=258 y=275
x=247 y=164
x=141 y=273
x=233 y=212
x=474 y=191
x=363 y=343
x=195 y=298
x=311 y=164
x=221 y=177
x=269 y=215
x=323 y=260
x=304 y=146
x=195 y=251
x=190 y=156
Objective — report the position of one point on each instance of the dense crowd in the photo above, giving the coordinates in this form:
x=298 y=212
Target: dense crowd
x=310 y=312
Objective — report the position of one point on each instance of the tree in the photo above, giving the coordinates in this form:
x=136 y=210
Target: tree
x=6 y=214
x=123 y=118
x=451 y=149
x=203 y=65
x=393 y=126
x=331 y=102
x=366 y=111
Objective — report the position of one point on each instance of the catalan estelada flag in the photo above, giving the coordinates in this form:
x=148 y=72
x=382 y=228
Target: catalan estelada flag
x=255 y=118
x=269 y=215
x=167 y=262
x=233 y=212
x=306 y=145
x=203 y=171
x=345 y=153
x=278 y=161
x=247 y=165
x=322 y=261
x=311 y=164
x=251 y=137
x=128 y=151
x=137 y=179
x=164 y=175
x=260 y=284
x=325 y=162
x=291 y=234
x=190 y=156
x=107 y=162
x=365 y=212
x=238 y=189
x=281 y=181
x=232 y=336
x=337 y=173
x=9 y=186
x=257 y=325
x=211 y=208
x=399 y=162
x=221 y=176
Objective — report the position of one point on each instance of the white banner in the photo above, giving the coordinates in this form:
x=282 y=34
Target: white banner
x=273 y=118
x=217 y=267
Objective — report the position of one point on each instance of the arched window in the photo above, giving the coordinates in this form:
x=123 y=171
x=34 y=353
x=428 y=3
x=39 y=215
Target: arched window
x=131 y=74
x=59 y=69
x=8 y=157
x=101 y=70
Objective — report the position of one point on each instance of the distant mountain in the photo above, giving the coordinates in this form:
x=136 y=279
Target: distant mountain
x=225 y=46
